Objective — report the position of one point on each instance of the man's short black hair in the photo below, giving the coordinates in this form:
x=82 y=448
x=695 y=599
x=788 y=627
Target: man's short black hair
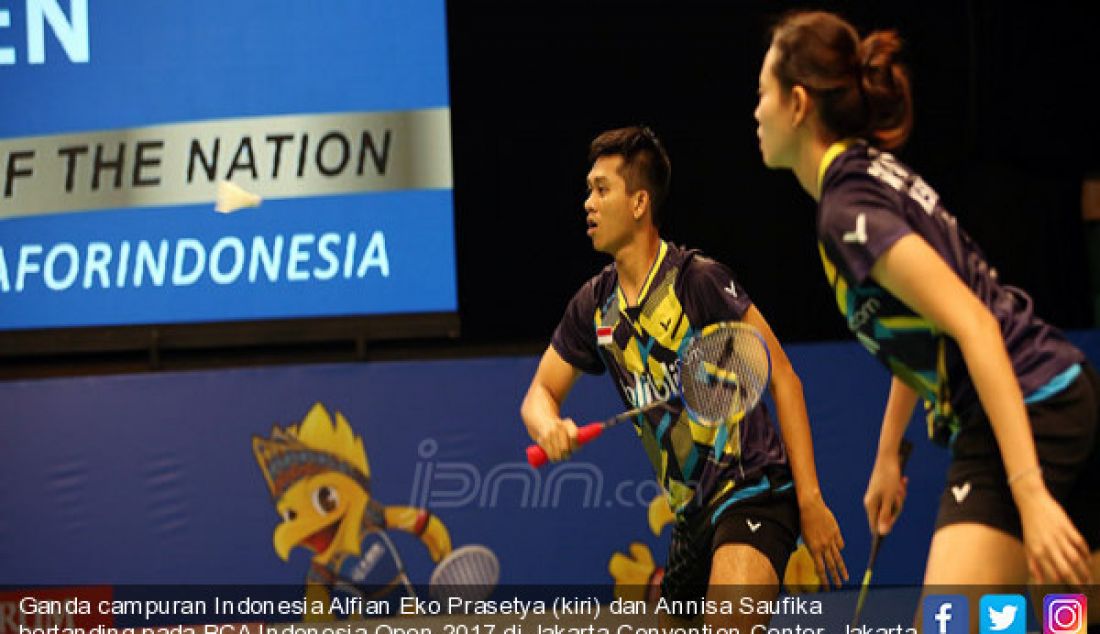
x=645 y=162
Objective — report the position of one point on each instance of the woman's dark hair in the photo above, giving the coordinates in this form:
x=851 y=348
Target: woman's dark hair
x=860 y=88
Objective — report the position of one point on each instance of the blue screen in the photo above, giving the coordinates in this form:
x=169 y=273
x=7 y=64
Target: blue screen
x=122 y=124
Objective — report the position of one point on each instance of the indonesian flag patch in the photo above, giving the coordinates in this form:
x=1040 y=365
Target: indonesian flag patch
x=603 y=335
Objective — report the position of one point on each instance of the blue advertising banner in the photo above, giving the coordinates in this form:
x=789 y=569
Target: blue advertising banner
x=360 y=472
x=181 y=478
x=120 y=123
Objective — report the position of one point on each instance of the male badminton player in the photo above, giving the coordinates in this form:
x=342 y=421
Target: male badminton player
x=739 y=506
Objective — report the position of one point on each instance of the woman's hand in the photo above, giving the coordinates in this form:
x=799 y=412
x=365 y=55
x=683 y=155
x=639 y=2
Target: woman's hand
x=1056 y=551
x=885 y=494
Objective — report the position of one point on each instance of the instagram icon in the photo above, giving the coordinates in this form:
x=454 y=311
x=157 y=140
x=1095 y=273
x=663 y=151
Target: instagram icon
x=1064 y=614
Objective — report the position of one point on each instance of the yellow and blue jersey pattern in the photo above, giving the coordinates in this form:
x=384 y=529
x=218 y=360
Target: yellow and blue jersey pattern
x=870 y=200
x=907 y=344
x=640 y=345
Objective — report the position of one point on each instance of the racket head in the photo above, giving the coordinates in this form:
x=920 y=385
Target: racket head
x=724 y=372
x=470 y=572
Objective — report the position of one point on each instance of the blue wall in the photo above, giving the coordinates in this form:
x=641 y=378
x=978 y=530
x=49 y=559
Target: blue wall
x=151 y=478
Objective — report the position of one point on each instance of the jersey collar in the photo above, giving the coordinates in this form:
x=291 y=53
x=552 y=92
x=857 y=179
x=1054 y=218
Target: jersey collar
x=662 y=251
x=827 y=159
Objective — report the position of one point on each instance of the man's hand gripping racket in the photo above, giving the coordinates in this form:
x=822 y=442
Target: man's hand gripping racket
x=724 y=371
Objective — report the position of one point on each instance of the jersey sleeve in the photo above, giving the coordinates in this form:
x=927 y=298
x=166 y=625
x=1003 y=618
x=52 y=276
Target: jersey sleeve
x=711 y=294
x=860 y=219
x=575 y=337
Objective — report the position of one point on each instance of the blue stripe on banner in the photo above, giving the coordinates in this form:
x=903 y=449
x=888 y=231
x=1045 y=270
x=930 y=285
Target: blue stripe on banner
x=208 y=59
x=365 y=254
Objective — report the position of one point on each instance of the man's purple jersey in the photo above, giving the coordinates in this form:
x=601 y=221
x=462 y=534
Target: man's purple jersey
x=869 y=200
x=640 y=344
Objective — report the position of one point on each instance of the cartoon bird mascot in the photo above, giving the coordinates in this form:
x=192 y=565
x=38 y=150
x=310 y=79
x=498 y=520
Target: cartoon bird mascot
x=319 y=479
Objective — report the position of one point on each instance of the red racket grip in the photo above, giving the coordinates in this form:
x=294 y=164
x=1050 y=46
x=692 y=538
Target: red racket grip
x=536 y=456
x=588 y=433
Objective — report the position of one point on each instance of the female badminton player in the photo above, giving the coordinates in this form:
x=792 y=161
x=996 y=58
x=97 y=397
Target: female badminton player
x=1013 y=399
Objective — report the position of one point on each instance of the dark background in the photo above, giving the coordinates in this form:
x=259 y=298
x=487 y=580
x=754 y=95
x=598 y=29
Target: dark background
x=1006 y=128
x=1004 y=132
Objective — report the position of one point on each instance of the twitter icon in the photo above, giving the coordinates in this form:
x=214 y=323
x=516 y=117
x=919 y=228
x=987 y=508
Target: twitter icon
x=1003 y=614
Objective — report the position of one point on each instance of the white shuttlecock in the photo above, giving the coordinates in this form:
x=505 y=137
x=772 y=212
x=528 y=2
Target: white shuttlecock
x=230 y=198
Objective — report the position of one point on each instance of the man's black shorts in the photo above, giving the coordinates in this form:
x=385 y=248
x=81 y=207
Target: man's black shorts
x=768 y=521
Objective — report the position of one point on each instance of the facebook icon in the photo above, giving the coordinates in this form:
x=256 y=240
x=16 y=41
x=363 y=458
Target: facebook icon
x=945 y=614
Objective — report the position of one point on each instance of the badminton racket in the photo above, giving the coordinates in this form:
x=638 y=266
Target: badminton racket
x=470 y=573
x=723 y=372
x=370 y=571
x=876 y=542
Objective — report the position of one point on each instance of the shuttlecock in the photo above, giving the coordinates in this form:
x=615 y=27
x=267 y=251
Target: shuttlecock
x=230 y=198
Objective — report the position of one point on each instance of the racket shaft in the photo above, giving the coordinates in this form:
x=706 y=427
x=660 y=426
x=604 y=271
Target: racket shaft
x=876 y=541
x=904 y=451
x=865 y=587
x=536 y=455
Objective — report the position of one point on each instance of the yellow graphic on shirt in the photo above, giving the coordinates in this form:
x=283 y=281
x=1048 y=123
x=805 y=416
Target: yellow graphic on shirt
x=900 y=339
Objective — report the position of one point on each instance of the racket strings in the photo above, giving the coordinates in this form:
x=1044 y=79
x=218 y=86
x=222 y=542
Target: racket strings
x=470 y=572
x=724 y=373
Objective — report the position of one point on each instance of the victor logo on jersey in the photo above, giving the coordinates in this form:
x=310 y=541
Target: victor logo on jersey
x=859 y=234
